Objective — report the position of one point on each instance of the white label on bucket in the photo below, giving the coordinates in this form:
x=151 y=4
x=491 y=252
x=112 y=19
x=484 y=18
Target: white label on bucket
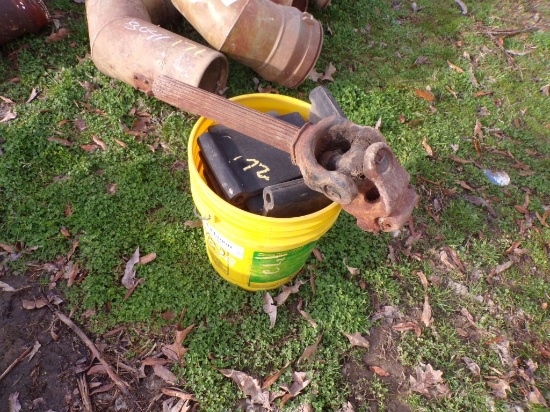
x=224 y=243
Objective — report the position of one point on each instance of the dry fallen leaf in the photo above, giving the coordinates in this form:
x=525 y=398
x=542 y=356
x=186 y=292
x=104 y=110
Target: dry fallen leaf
x=310 y=350
x=501 y=268
x=499 y=388
x=427 y=147
x=426 y=316
x=535 y=397
x=308 y=317
x=271 y=379
x=268 y=89
x=32 y=96
x=59 y=140
x=65 y=232
x=99 y=142
x=6 y=288
x=35 y=348
x=444 y=257
x=13 y=402
x=305 y=315
x=357 y=340
x=270 y=309
x=542 y=350
x=455 y=94
x=10 y=115
x=429 y=382
x=121 y=143
x=103 y=388
x=176 y=351
x=318 y=255
x=347 y=407
x=98 y=369
x=454 y=256
x=421 y=60
x=70 y=273
x=406 y=326
x=193 y=223
x=542 y=219
x=165 y=374
x=299 y=382
x=314 y=75
x=8 y=248
x=147 y=258
x=154 y=361
x=425 y=94
x=329 y=71
x=129 y=278
x=177 y=393
x=474 y=367
x=6 y=100
x=422 y=278
x=34 y=304
x=455 y=67
x=287 y=290
x=89 y=147
x=379 y=371
x=111 y=188
x=57 y=36
x=478 y=132
x=352 y=270
x=249 y=386
x=388 y=312
x=502 y=347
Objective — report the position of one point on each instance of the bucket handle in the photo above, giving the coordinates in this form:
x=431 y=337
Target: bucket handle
x=197 y=214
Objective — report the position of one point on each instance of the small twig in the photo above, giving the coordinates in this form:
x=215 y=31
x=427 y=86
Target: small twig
x=119 y=382
x=509 y=58
x=508 y=32
x=84 y=392
x=15 y=362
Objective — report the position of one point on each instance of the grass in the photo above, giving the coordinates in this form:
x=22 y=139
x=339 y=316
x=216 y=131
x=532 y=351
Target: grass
x=46 y=186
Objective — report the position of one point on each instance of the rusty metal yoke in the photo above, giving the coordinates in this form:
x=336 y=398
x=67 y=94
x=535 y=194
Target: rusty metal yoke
x=354 y=166
x=351 y=164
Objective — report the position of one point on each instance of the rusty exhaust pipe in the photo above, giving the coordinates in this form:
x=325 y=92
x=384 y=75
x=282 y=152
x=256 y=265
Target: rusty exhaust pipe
x=126 y=44
x=19 y=17
x=279 y=42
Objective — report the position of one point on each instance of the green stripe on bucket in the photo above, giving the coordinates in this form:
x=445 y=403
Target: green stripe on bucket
x=269 y=267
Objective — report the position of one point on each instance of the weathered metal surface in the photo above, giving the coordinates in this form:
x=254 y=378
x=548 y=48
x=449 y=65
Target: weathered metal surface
x=350 y=164
x=281 y=44
x=126 y=45
x=322 y=3
x=19 y=17
x=354 y=166
x=299 y=4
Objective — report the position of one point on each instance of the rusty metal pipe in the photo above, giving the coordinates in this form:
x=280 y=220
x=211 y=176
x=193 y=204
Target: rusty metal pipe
x=299 y=4
x=18 y=17
x=126 y=44
x=279 y=42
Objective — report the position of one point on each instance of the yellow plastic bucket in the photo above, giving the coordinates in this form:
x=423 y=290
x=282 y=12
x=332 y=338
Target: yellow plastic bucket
x=251 y=251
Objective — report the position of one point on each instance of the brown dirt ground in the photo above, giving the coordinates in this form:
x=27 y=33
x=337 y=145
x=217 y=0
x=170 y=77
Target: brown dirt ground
x=382 y=354
x=48 y=381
